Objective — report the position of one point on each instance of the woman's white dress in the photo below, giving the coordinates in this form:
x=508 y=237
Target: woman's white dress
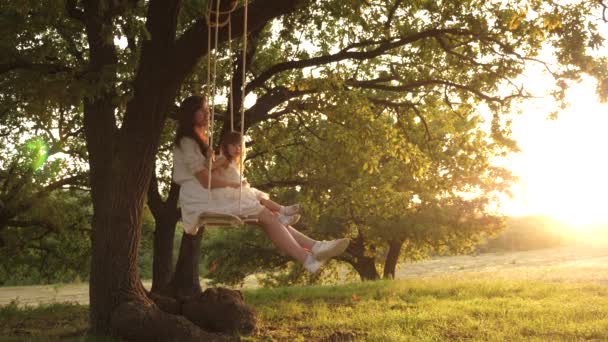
x=194 y=198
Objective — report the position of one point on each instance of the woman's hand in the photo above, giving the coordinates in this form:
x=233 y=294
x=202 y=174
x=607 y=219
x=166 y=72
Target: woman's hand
x=210 y=154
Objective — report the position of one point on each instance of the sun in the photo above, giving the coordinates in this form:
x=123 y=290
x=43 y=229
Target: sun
x=563 y=166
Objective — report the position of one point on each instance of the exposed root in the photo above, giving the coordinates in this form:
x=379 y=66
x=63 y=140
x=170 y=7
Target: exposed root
x=220 y=310
x=137 y=321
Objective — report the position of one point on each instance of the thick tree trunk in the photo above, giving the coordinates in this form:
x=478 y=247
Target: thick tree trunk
x=394 y=249
x=185 y=282
x=166 y=215
x=121 y=159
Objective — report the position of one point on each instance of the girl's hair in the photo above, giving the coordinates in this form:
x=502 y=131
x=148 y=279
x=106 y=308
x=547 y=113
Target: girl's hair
x=185 y=121
x=233 y=138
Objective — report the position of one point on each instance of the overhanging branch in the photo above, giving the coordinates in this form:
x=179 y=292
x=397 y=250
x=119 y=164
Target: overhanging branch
x=374 y=84
x=382 y=47
x=192 y=45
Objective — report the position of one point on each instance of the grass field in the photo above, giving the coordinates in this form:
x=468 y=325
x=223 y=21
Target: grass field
x=549 y=295
x=442 y=308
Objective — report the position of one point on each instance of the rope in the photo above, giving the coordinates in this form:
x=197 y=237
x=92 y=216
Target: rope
x=231 y=73
x=213 y=90
x=217 y=12
x=242 y=163
x=211 y=93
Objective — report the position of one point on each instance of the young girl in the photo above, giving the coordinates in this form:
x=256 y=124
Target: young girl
x=227 y=168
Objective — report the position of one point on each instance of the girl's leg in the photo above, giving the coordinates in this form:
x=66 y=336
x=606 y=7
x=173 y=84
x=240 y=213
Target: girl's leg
x=302 y=239
x=281 y=236
x=273 y=206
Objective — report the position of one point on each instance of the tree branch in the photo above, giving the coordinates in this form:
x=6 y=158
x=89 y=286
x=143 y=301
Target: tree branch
x=161 y=21
x=277 y=95
x=391 y=14
x=192 y=45
x=405 y=105
x=50 y=68
x=284 y=184
x=384 y=46
x=373 y=84
x=73 y=11
x=32 y=223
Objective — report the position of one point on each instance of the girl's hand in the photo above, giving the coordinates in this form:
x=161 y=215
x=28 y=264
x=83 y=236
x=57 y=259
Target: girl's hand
x=245 y=182
x=235 y=185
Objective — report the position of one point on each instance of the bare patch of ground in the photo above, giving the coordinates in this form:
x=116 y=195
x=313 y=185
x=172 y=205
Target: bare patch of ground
x=578 y=263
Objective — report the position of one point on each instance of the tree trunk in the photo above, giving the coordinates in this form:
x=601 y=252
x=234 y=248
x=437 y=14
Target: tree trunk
x=166 y=215
x=162 y=264
x=185 y=282
x=394 y=249
x=364 y=265
x=121 y=160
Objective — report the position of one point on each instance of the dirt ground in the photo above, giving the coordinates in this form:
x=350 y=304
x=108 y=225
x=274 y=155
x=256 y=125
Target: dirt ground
x=580 y=263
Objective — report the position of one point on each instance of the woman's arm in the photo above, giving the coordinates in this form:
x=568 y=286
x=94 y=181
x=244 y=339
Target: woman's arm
x=203 y=177
x=197 y=164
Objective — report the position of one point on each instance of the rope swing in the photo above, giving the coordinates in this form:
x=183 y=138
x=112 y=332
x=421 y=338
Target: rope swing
x=211 y=219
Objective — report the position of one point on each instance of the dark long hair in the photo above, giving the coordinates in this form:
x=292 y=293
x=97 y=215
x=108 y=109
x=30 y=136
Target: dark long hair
x=185 y=121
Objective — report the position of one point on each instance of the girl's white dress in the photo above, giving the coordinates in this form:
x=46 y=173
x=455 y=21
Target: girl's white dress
x=194 y=198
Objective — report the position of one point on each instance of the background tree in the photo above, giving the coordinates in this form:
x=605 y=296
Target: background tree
x=44 y=203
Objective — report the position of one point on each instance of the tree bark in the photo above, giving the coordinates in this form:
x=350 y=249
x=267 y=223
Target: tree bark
x=185 y=282
x=364 y=265
x=121 y=164
x=166 y=215
x=394 y=249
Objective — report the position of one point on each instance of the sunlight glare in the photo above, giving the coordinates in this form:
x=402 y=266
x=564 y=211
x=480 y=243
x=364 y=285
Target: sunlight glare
x=563 y=166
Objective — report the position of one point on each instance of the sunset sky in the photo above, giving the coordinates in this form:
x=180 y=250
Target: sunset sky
x=563 y=165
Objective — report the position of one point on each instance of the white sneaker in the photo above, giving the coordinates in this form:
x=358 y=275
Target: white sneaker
x=323 y=250
x=292 y=209
x=311 y=264
x=289 y=220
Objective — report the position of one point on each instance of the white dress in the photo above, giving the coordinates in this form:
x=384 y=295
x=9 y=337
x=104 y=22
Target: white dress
x=229 y=197
x=194 y=198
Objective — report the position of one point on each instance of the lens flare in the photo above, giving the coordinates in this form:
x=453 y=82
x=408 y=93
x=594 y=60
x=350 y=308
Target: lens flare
x=39 y=152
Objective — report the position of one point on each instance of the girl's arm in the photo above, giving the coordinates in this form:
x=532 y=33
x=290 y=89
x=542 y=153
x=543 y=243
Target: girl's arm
x=221 y=162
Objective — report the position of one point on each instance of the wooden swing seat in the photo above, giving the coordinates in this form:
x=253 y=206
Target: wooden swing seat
x=216 y=220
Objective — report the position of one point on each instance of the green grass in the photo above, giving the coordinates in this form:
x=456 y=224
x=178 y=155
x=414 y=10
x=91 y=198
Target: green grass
x=60 y=321
x=434 y=309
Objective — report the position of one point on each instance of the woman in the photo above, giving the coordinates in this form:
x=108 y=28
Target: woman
x=191 y=172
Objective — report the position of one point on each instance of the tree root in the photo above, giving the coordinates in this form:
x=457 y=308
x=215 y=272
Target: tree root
x=137 y=321
x=221 y=310
x=167 y=304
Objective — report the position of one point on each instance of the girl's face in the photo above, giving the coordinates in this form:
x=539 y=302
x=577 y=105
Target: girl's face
x=200 y=116
x=234 y=150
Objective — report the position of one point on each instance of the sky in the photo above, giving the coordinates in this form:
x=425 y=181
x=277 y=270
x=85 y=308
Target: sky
x=563 y=163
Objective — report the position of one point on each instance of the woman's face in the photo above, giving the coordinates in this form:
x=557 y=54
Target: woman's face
x=200 y=116
x=234 y=150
